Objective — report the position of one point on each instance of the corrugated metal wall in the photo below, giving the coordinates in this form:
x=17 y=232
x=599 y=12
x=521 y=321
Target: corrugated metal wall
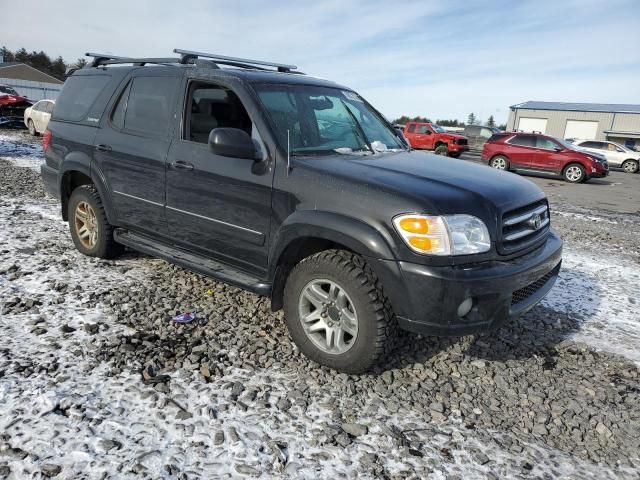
x=557 y=120
x=626 y=122
x=34 y=90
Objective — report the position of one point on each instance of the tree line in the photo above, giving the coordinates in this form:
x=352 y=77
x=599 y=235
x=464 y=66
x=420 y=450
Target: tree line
x=472 y=119
x=40 y=60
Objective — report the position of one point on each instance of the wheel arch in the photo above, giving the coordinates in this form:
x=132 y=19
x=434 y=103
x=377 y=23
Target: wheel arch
x=307 y=233
x=75 y=172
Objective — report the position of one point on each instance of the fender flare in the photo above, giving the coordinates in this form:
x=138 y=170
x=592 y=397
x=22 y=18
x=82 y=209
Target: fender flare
x=354 y=234
x=79 y=162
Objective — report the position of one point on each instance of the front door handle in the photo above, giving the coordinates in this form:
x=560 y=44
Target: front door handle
x=181 y=165
x=103 y=148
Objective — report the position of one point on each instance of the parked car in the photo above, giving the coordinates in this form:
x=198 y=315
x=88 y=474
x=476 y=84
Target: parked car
x=37 y=117
x=617 y=155
x=477 y=136
x=542 y=153
x=429 y=136
x=295 y=188
x=12 y=106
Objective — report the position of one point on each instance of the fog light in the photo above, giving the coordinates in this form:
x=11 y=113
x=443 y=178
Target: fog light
x=465 y=307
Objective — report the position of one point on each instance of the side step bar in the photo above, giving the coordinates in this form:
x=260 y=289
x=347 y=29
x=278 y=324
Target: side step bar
x=192 y=261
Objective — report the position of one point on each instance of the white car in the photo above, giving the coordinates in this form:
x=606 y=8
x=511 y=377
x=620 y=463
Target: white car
x=616 y=154
x=37 y=116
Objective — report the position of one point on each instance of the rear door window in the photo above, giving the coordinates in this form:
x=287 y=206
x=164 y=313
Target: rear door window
x=149 y=104
x=412 y=128
x=78 y=95
x=523 y=141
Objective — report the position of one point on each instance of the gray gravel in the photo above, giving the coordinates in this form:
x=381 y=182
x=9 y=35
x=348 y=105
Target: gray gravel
x=523 y=402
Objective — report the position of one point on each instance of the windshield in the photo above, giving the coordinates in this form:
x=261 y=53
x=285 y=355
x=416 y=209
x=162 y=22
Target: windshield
x=437 y=128
x=322 y=120
x=8 y=90
x=567 y=145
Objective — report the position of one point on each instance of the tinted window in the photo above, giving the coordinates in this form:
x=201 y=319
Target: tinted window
x=591 y=145
x=78 y=95
x=149 y=104
x=545 y=143
x=412 y=128
x=523 y=140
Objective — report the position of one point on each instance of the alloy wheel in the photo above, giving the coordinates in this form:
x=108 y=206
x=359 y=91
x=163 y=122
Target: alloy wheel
x=574 y=173
x=499 y=163
x=86 y=224
x=328 y=316
x=630 y=167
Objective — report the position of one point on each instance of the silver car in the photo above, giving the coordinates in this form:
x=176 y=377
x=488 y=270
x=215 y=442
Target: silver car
x=37 y=116
x=617 y=155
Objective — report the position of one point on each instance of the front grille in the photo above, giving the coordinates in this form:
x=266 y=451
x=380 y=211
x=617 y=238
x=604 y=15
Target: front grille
x=524 y=226
x=525 y=292
x=461 y=141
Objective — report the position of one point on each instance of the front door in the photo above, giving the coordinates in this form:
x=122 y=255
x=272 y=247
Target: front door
x=131 y=147
x=218 y=205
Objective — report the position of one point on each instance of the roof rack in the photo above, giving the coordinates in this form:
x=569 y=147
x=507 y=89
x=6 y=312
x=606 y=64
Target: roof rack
x=200 y=59
x=108 y=59
x=188 y=56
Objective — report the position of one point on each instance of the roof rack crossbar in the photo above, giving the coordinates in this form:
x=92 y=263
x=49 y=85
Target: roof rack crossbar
x=188 y=56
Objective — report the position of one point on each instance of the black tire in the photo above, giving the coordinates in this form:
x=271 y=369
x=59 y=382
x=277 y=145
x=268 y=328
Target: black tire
x=570 y=176
x=455 y=155
x=32 y=128
x=441 y=150
x=105 y=246
x=375 y=319
x=630 y=166
x=499 y=162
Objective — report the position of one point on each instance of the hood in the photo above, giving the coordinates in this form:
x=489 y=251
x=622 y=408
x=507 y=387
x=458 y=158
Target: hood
x=7 y=99
x=433 y=183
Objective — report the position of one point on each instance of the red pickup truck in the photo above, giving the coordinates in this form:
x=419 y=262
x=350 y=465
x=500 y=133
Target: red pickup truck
x=429 y=136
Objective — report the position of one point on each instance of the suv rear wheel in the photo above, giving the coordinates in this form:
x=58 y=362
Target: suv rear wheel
x=630 y=166
x=574 y=173
x=499 y=163
x=337 y=313
x=91 y=232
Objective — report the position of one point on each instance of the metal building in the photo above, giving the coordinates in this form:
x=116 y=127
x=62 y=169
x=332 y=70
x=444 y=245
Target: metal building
x=594 y=121
x=29 y=82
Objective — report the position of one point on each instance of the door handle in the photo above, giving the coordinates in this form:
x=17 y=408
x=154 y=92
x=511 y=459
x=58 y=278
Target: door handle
x=181 y=165
x=103 y=148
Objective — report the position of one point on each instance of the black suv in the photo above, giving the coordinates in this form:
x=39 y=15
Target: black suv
x=297 y=189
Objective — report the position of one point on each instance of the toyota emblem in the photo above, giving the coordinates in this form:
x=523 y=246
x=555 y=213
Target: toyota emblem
x=535 y=222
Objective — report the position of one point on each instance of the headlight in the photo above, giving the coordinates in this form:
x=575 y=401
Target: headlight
x=443 y=235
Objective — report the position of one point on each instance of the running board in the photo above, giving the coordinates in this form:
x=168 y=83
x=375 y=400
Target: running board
x=192 y=261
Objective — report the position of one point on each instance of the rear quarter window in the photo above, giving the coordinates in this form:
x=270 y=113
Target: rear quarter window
x=78 y=95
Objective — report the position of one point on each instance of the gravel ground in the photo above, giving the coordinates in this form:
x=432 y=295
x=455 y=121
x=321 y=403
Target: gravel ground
x=97 y=382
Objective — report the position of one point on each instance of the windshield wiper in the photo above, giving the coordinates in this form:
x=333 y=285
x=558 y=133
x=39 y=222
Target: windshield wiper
x=358 y=127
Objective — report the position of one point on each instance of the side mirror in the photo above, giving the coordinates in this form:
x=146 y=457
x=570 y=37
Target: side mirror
x=428 y=132
x=233 y=142
x=558 y=149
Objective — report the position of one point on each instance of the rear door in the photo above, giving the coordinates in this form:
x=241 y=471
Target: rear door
x=131 y=147
x=218 y=205
x=520 y=149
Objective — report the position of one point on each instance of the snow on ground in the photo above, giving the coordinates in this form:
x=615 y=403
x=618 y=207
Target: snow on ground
x=20 y=150
x=602 y=293
x=124 y=426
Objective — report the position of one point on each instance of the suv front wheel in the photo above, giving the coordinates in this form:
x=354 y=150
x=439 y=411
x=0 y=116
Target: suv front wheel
x=574 y=173
x=91 y=232
x=337 y=313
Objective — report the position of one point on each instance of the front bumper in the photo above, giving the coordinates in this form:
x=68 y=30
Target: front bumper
x=454 y=147
x=501 y=290
x=599 y=170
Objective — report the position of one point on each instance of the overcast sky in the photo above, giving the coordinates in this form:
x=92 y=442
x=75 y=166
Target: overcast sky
x=441 y=59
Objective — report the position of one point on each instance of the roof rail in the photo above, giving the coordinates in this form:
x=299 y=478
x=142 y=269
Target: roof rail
x=107 y=59
x=188 y=56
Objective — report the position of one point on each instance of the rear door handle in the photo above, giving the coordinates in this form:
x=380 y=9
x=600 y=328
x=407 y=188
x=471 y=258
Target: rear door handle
x=103 y=148
x=181 y=165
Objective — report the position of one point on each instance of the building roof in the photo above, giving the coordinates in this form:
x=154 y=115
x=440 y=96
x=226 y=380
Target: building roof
x=579 y=107
x=22 y=71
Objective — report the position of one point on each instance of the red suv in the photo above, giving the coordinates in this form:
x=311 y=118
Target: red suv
x=541 y=153
x=429 y=136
